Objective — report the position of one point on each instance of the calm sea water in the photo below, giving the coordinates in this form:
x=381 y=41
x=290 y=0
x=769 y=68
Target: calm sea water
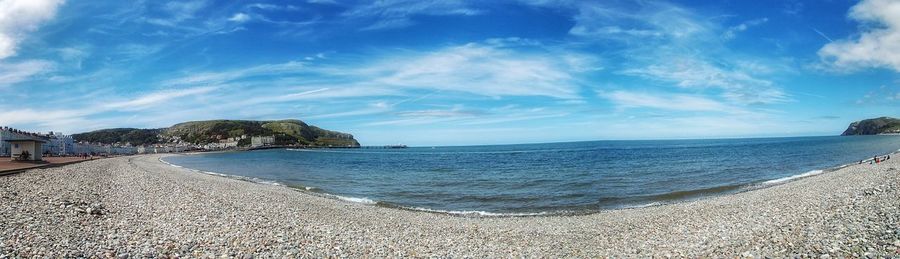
x=545 y=178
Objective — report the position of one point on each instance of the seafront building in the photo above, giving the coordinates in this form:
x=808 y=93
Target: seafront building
x=53 y=144
x=259 y=141
x=163 y=148
x=4 y=146
x=60 y=144
x=16 y=142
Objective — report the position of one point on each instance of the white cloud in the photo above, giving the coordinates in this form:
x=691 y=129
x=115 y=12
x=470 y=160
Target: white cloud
x=178 y=12
x=480 y=69
x=647 y=20
x=18 y=17
x=74 y=55
x=736 y=83
x=157 y=98
x=877 y=46
x=471 y=68
x=883 y=95
x=239 y=18
x=358 y=112
x=132 y=51
x=83 y=117
x=675 y=102
x=672 y=44
x=390 y=14
x=12 y=73
x=322 y=1
x=272 y=7
x=732 y=31
x=456 y=111
x=27 y=116
x=213 y=78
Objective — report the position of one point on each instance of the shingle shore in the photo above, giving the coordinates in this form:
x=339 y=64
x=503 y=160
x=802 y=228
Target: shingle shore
x=140 y=207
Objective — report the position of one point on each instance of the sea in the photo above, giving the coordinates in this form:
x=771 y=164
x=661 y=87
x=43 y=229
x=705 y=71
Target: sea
x=543 y=179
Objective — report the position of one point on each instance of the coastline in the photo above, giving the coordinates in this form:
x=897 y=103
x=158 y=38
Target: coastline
x=684 y=196
x=148 y=208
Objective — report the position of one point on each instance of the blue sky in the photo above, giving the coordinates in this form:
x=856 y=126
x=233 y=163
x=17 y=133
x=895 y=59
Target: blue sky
x=454 y=72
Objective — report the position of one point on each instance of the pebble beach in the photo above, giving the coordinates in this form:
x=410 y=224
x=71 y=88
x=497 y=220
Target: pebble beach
x=137 y=206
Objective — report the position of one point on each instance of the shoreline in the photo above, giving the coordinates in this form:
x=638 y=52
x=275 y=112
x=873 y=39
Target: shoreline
x=138 y=206
x=692 y=195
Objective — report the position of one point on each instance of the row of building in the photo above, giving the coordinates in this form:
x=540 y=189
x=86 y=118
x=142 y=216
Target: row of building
x=234 y=142
x=14 y=141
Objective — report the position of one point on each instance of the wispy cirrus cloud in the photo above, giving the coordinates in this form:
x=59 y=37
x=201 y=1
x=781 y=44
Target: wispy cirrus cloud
x=178 y=12
x=879 y=42
x=239 y=18
x=460 y=115
x=225 y=76
x=87 y=115
x=13 y=73
x=882 y=95
x=18 y=18
x=670 y=44
x=738 y=84
x=634 y=21
x=157 y=98
x=474 y=68
x=676 y=102
x=478 y=69
x=32 y=116
x=732 y=31
x=392 y=14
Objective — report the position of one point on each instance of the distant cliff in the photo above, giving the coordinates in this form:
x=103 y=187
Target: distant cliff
x=286 y=132
x=876 y=126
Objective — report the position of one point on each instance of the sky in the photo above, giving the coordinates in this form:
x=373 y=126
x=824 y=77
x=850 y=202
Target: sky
x=454 y=72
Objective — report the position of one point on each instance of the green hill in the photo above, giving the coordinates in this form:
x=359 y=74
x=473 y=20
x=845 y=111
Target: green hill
x=286 y=132
x=876 y=126
x=121 y=135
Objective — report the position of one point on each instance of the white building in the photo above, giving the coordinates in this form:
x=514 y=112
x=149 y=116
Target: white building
x=259 y=141
x=13 y=142
x=5 y=134
x=60 y=145
x=31 y=145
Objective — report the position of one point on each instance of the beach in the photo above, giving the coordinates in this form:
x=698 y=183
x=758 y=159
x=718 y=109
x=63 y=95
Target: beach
x=139 y=206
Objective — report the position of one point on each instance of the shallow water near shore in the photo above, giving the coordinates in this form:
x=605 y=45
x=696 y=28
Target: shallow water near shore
x=538 y=179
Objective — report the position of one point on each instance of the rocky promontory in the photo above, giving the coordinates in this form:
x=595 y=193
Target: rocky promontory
x=876 y=126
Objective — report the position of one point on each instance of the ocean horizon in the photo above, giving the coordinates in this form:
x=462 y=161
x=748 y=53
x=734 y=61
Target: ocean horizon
x=545 y=178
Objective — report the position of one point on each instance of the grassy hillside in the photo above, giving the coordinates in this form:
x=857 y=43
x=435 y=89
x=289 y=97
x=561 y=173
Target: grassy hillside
x=121 y=135
x=286 y=132
x=883 y=125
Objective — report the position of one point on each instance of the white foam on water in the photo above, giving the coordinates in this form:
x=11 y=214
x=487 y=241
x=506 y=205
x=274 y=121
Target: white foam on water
x=476 y=212
x=354 y=199
x=170 y=164
x=214 y=173
x=267 y=182
x=249 y=179
x=794 y=177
